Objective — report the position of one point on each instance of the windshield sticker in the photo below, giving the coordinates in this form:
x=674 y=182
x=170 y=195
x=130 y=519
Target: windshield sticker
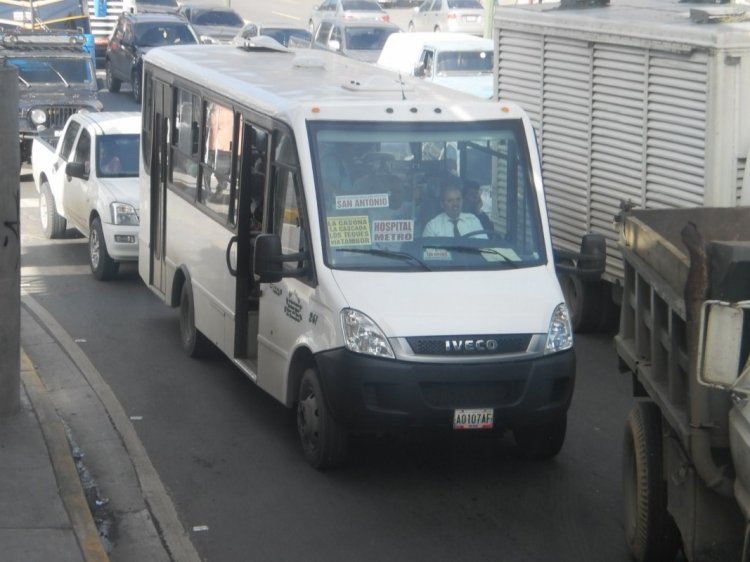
x=393 y=231
x=349 y=231
x=372 y=201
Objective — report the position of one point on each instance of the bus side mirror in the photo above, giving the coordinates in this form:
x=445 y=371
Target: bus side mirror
x=268 y=263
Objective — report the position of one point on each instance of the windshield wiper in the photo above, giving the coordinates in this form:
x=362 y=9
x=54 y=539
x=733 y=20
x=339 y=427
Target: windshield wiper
x=474 y=250
x=387 y=254
x=27 y=84
x=60 y=75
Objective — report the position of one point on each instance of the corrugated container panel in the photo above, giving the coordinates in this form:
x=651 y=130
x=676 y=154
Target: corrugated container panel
x=675 y=143
x=519 y=69
x=618 y=106
x=565 y=137
x=103 y=26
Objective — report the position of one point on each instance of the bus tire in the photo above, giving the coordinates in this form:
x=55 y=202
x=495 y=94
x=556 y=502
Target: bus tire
x=541 y=441
x=323 y=439
x=193 y=342
x=113 y=84
x=102 y=265
x=649 y=529
x=53 y=224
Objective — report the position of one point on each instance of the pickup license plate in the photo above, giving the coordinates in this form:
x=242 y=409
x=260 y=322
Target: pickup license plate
x=473 y=419
x=471 y=19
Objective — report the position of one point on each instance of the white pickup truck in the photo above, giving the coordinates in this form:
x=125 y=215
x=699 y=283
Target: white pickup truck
x=90 y=180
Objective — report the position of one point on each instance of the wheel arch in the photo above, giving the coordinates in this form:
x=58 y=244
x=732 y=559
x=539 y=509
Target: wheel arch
x=302 y=359
x=181 y=276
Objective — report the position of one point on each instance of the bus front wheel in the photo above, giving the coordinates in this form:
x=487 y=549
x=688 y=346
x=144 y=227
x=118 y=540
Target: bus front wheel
x=323 y=438
x=193 y=342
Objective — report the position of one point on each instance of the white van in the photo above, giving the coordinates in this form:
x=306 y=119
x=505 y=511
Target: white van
x=291 y=208
x=458 y=61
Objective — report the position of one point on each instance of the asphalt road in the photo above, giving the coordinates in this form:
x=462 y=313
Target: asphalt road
x=229 y=455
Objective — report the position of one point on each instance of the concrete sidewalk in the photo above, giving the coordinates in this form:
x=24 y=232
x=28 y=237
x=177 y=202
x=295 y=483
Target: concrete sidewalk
x=45 y=515
x=71 y=426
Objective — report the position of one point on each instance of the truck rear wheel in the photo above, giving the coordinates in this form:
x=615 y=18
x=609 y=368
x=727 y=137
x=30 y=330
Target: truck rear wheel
x=53 y=224
x=650 y=531
x=542 y=441
x=323 y=438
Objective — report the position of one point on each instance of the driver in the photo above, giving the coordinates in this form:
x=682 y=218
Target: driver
x=452 y=222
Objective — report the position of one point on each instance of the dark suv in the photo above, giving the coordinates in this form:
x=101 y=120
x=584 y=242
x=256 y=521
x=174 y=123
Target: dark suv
x=134 y=35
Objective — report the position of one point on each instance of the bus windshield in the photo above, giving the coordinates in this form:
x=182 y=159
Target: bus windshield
x=426 y=196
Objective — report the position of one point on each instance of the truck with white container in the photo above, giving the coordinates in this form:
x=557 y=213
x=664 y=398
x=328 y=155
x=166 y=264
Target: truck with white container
x=684 y=339
x=634 y=103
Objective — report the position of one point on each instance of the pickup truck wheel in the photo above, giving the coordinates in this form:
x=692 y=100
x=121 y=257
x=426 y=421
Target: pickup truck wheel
x=103 y=266
x=113 y=84
x=323 y=438
x=53 y=224
x=542 y=441
x=137 y=86
x=193 y=342
x=650 y=531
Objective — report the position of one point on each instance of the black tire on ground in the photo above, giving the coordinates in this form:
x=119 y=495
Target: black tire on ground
x=113 y=84
x=53 y=224
x=590 y=304
x=323 y=439
x=102 y=265
x=542 y=441
x=650 y=531
x=193 y=342
x=136 y=81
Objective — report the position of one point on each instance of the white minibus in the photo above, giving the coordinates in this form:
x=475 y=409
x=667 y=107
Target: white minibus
x=372 y=252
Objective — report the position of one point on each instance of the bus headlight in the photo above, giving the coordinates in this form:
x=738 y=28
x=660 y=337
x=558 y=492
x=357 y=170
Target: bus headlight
x=38 y=116
x=560 y=334
x=124 y=214
x=362 y=335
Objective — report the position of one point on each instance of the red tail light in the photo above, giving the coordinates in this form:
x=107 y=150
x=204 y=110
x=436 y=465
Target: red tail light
x=452 y=15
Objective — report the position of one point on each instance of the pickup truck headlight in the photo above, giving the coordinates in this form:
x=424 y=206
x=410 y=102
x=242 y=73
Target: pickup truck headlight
x=38 y=116
x=560 y=334
x=124 y=214
x=362 y=335
x=208 y=40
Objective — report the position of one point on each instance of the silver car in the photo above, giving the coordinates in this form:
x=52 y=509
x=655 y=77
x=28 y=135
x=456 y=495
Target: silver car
x=464 y=16
x=368 y=10
x=361 y=40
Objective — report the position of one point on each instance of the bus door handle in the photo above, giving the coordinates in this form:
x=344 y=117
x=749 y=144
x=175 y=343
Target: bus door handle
x=232 y=271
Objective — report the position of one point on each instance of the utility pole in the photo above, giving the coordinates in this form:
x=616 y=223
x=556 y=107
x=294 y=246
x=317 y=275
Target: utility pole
x=10 y=244
x=489 y=17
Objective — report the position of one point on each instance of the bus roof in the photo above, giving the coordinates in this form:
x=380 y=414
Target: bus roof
x=322 y=85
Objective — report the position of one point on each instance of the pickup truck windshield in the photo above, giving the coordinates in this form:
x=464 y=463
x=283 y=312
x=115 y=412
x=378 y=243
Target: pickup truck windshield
x=424 y=196
x=117 y=156
x=53 y=70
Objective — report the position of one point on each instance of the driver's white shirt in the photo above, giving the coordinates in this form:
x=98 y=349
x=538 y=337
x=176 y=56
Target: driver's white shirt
x=441 y=225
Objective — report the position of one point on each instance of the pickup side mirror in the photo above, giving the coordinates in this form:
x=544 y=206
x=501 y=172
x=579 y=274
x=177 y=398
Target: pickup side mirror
x=334 y=45
x=419 y=71
x=269 y=260
x=76 y=170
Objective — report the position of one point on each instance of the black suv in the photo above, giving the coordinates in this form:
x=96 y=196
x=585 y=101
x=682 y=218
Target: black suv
x=134 y=35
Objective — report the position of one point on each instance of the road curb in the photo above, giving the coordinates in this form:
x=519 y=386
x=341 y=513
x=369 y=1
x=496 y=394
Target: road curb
x=68 y=481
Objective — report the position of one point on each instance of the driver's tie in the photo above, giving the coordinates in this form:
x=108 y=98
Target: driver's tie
x=455 y=227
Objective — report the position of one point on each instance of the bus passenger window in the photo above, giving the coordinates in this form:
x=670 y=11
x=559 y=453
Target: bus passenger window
x=217 y=159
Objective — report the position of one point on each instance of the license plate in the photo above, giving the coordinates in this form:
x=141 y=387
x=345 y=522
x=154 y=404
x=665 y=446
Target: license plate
x=471 y=19
x=473 y=419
